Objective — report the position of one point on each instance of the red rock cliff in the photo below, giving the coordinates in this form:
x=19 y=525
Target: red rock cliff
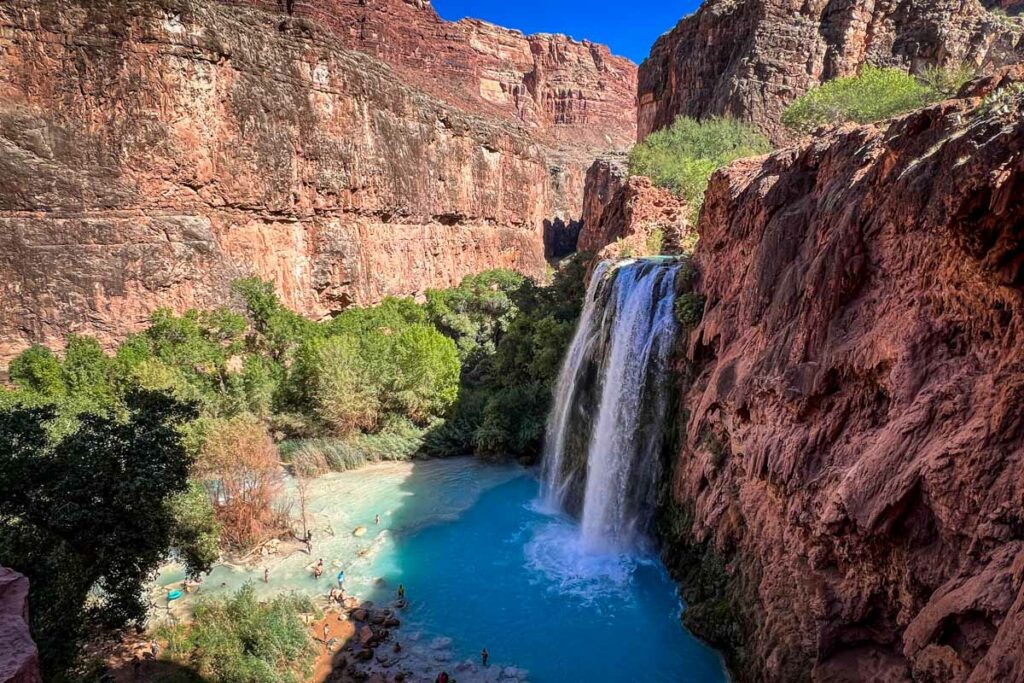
x=750 y=58
x=154 y=151
x=853 y=436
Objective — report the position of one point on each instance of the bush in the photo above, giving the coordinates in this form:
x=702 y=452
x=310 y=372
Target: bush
x=242 y=640
x=423 y=382
x=873 y=95
x=339 y=384
x=683 y=156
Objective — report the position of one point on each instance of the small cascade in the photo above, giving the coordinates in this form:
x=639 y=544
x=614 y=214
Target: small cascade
x=602 y=452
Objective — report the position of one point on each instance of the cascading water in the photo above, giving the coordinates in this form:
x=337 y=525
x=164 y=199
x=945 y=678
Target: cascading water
x=602 y=451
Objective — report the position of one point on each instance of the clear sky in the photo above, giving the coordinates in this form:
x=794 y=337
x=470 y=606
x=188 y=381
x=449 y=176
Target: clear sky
x=629 y=27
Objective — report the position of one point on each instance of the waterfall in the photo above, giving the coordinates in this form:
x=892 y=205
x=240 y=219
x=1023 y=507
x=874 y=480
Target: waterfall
x=602 y=454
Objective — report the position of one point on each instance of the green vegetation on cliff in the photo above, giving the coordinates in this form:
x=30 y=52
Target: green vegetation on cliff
x=683 y=156
x=872 y=95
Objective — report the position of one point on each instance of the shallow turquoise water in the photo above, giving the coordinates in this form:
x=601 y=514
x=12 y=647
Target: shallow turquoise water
x=509 y=576
x=483 y=566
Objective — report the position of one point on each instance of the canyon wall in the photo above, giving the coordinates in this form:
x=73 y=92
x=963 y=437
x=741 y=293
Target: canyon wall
x=848 y=490
x=155 y=151
x=750 y=58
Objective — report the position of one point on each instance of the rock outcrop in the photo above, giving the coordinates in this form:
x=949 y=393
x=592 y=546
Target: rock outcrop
x=852 y=459
x=19 y=658
x=154 y=151
x=750 y=58
x=624 y=216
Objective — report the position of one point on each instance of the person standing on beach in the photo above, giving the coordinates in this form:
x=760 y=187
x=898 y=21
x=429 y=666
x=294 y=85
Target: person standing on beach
x=484 y=656
x=266 y=575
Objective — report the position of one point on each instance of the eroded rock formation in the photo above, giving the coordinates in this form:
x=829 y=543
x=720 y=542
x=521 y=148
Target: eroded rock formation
x=154 y=151
x=852 y=459
x=750 y=58
x=19 y=658
x=621 y=214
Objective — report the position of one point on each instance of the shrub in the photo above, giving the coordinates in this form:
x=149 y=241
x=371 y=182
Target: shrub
x=683 y=156
x=196 y=532
x=689 y=309
x=37 y=370
x=872 y=95
x=242 y=640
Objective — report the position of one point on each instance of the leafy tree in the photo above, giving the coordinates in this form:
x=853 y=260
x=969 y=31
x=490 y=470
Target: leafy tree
x=476 y=313
x=872 y=95
x=89 y=512
x=424 y=378
x=276 y=330
x=337 y=384
x=196 y=532
x=37 y=370
x=87 y=372
x=683 y=156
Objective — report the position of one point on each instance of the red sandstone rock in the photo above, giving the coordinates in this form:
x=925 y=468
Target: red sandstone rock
x=575 y=92
x=750 y=58
x=621 y=214
x=855 y=437
x=153 y=152
x=19 y=659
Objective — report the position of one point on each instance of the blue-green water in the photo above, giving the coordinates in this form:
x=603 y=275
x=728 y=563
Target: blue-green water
x=511 y=577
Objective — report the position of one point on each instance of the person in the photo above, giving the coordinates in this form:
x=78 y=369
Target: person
x=327 y=631
x=333 y=595
x=341 y=579
x=484 y=656
x=376 y=520
x=266 y=575
x=401 y=591
x=318 y=570
x=308 y=540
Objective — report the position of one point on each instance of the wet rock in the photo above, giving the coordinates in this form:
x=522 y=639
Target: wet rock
x=359 y=614
x=392 y=622
x=365 y=634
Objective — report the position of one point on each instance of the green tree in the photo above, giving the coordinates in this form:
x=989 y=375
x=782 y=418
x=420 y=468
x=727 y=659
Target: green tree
x=683 y=156
x=89 y=512
x=37 y=370
x=424 y=378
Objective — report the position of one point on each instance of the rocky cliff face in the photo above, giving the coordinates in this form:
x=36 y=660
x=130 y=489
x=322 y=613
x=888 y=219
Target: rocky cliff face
x=852 y=459
x=154 y=151
x=621 y=214
x=750 y=58
x=19 y=658
x=575 y=97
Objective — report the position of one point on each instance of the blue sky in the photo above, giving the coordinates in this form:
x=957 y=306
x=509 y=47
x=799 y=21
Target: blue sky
x=629 y=28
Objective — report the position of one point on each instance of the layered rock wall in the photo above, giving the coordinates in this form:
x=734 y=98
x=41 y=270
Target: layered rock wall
x=154 y=151
x=750 y=58
x=852 y=455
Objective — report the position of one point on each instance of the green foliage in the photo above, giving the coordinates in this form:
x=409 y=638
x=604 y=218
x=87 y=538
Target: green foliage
x=88 y=512
x=196 y=533
x=946 y=83
x=1001 y=101
x=242 y=640
x=338 y=383
x=872 y=95
x=423 y=378
x=476 y=313
x=689 y=310
x=683 y=156
x=276 y=330
x=37 y=370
